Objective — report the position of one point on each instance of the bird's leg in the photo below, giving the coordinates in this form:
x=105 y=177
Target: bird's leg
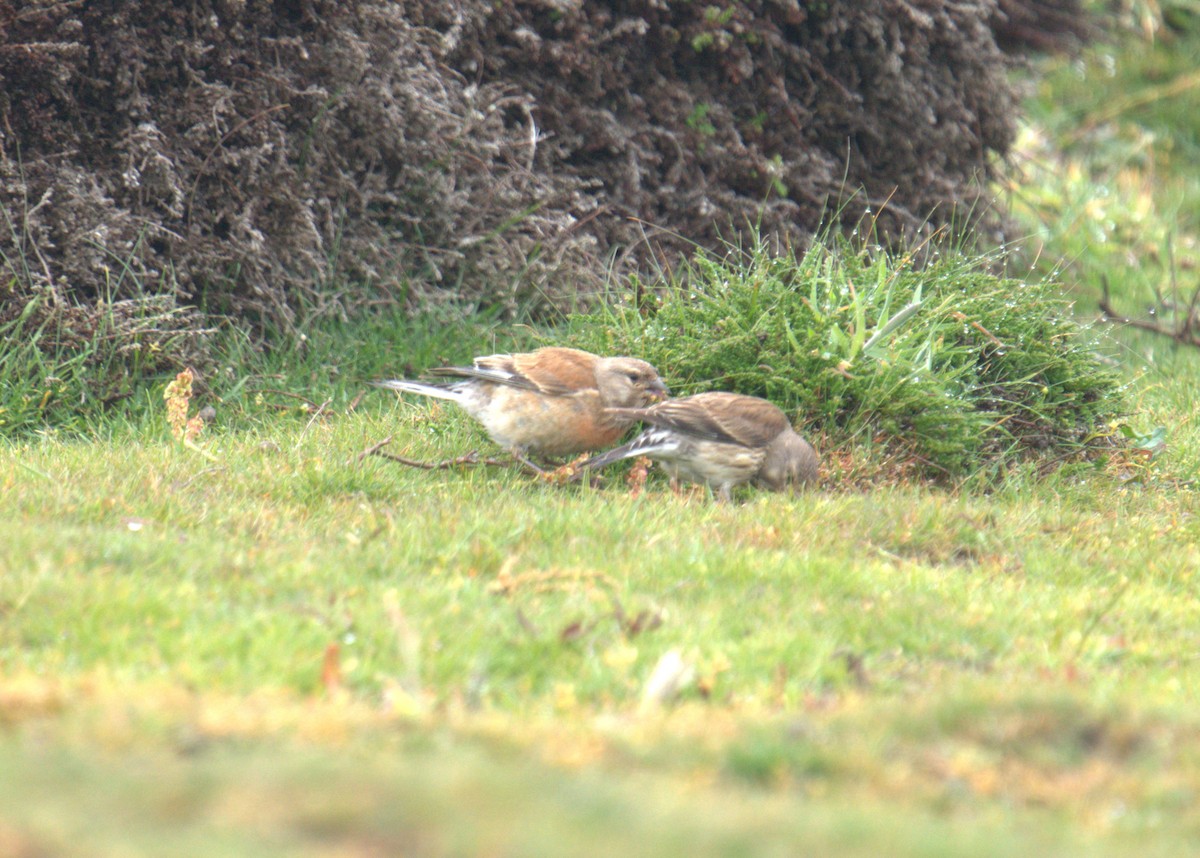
x=519 y=456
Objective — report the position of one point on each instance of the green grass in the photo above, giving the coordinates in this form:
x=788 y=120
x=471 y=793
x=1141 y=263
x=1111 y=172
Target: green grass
x=941 y=366
x=1105 y=175
x=971 y=664
x=389 y=795
x=270 y=647
x=321 y=365
x=1104 y=180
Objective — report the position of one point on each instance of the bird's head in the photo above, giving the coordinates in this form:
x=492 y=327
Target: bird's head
x=790 y=463
x=626 y=382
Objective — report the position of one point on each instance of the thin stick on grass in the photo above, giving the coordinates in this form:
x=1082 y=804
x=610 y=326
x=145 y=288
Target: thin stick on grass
x=370 y=451
x=469 y=460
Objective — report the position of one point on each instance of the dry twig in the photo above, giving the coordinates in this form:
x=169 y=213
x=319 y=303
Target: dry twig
x=1184 y=332
x=469 y=460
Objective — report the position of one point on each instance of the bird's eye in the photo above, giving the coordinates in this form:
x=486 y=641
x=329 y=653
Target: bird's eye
x=635 y=377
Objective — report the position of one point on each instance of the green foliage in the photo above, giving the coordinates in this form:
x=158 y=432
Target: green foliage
x=87 y=370
x=1154 y=20
x=954 y=365
x=1105 y=177
x=1105 y=185
x=65 y=367
x=698 y=120
x=329 y=358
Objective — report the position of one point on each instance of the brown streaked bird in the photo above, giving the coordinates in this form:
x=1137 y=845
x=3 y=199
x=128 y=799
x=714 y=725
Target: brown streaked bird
x=722 y=439
x=551 y=402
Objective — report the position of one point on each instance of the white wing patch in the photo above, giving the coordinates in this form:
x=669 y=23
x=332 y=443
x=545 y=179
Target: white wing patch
x=652 y=442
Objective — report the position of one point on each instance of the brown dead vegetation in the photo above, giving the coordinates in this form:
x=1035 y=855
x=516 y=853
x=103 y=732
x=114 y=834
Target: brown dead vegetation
x=250 y=157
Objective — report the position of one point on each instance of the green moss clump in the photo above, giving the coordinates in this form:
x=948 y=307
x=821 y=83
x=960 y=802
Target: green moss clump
x=955 y=367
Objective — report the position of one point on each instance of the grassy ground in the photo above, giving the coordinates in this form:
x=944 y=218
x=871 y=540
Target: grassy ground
x=1024 y=660
x=269 y=646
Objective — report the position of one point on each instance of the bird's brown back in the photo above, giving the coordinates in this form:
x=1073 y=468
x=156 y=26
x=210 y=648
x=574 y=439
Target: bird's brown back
x=718 y=416
x=554 y=370
x=558 y=371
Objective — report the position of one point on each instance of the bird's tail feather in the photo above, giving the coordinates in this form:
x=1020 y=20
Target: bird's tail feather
x=421 y=388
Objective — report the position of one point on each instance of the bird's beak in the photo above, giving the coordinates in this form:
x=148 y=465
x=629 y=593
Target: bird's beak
x=658 y=392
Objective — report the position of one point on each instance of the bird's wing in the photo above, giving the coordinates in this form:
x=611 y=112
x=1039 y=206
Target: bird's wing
x=726 y=417
x=558 y=371
x=553 y=371
x=650 y=443
x=496 y=372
